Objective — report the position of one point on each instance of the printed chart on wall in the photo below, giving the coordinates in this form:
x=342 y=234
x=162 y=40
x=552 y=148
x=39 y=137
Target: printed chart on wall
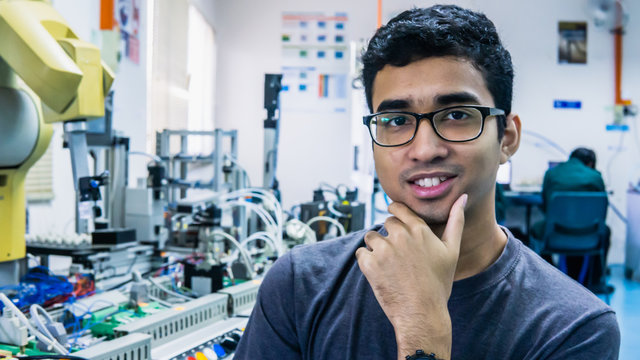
x=315 y=62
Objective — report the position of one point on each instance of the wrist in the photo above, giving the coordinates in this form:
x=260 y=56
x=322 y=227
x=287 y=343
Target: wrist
x=421 y=355
x=433 y=334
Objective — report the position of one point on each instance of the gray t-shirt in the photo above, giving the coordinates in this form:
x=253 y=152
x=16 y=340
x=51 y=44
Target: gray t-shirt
x=315 y=303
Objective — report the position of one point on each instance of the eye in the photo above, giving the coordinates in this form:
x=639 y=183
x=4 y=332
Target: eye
x=391 y=120
x=456 y=115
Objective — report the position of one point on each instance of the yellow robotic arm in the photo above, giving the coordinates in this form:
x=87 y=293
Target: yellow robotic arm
x=64 y=71
x=47 y=75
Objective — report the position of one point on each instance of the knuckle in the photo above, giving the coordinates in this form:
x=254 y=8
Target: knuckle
x=390 y=221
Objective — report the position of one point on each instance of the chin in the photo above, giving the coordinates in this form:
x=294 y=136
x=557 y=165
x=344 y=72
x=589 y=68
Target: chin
x=433 y=212
x=431 y=217
x=435 y=221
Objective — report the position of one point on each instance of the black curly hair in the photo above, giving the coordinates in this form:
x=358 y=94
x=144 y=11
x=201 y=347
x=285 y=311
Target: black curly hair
x=442 y=30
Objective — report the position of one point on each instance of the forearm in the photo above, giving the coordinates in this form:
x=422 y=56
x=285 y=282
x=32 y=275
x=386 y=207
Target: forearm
x=429 y=332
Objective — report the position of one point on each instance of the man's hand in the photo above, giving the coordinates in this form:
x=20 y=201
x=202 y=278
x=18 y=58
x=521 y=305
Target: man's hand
x=411 y=273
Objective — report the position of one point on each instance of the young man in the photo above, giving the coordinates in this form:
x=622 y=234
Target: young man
x=440 y=277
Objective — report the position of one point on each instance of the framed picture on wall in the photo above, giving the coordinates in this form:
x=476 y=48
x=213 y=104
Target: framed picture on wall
x=572 y=44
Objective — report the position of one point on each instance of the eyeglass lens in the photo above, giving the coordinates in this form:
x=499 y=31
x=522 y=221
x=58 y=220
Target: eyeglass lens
x=455 y=124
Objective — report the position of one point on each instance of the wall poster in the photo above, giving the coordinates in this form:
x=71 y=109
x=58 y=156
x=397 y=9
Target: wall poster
x=315 y=62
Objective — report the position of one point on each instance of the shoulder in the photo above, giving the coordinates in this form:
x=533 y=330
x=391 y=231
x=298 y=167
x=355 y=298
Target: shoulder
x=553 y=286
x=559 y=314
x=571 y=320
x=556 y=299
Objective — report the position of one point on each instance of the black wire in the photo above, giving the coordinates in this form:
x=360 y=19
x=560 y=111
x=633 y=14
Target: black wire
x=52 y=357
x=119 y=285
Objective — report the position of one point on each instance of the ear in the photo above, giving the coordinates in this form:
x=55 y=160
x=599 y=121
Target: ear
x=511 y=140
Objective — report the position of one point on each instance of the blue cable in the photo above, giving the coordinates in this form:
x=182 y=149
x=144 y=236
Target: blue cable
x=38 y=286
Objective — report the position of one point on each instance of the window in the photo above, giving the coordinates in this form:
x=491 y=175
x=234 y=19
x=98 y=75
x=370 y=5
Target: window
x=182 y=72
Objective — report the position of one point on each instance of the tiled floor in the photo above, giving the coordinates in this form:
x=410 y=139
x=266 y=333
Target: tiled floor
x=626 y=302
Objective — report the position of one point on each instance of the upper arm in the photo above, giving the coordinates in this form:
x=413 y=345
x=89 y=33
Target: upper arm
x=271 y=332
x=598 y=338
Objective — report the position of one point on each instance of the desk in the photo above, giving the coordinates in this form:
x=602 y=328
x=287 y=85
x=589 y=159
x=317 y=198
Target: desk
x=527 y=199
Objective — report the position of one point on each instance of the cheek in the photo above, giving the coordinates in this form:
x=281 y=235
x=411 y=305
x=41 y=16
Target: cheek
x=484 y=166
x=387 y=166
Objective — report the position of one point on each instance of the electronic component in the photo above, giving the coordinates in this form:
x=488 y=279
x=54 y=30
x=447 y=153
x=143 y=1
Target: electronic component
x=110 y=265
x=348 y=213
x=139 y=290
x=11 y=330
x=145 y=213
x=113 y=236
x=202 y=280
x=179 y=320
x=214 y=341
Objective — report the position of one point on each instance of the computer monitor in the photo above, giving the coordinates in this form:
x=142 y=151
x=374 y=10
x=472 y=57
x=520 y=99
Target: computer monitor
x=504 y=173
x=553 y=164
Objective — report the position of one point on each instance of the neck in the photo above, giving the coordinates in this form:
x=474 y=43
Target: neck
x=482 y=243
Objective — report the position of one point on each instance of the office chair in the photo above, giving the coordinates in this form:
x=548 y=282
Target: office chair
x=575 y=226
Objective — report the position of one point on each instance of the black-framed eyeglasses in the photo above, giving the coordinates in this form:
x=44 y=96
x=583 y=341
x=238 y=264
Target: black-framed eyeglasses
x=456 y=124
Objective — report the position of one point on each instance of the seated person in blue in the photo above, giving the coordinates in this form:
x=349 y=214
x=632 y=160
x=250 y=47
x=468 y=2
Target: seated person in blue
x=440 y=276
x=576 y=174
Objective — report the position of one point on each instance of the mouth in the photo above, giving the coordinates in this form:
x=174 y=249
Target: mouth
x=428 y=186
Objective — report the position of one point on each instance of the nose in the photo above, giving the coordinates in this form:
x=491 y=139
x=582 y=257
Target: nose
x=427 y=146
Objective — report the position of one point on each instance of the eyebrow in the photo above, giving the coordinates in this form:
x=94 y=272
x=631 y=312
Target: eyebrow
x=393 y=105
x=462 y=97
x=456 y=98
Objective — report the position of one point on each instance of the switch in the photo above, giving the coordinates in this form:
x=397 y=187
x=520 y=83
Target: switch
x=229 y=344
x=210 y=354
x=219 y=350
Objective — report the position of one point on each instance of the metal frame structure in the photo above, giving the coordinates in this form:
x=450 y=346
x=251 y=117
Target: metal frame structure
x=177 y=163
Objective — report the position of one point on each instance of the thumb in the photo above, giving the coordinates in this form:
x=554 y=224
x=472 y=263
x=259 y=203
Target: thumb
x=453 y=231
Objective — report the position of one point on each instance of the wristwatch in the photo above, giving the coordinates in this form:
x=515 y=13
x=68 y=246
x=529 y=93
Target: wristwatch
x=421 y=355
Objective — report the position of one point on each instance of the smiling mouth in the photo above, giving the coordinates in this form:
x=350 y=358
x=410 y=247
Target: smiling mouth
x=432 y=181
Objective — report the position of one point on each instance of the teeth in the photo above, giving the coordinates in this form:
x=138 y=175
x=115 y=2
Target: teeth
x=430 y=182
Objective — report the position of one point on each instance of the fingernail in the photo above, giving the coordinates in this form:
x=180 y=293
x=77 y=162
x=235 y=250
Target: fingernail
x=465 y=197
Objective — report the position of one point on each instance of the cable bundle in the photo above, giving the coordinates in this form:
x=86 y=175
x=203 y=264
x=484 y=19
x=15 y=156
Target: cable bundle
x=40 y=286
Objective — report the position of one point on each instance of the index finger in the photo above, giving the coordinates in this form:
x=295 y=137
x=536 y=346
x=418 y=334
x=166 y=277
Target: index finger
x=452 y=235
x=406 y=215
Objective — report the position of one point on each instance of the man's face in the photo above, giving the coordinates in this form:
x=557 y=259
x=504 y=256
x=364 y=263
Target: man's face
x=469 y=167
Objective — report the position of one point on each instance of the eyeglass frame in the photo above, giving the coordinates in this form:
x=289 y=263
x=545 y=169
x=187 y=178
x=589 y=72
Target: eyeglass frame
x=485 y=111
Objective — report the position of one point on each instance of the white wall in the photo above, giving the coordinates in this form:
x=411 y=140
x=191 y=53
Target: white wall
x=248 y=36
x=248 y=40
x=311 y=150
x=129 y=117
